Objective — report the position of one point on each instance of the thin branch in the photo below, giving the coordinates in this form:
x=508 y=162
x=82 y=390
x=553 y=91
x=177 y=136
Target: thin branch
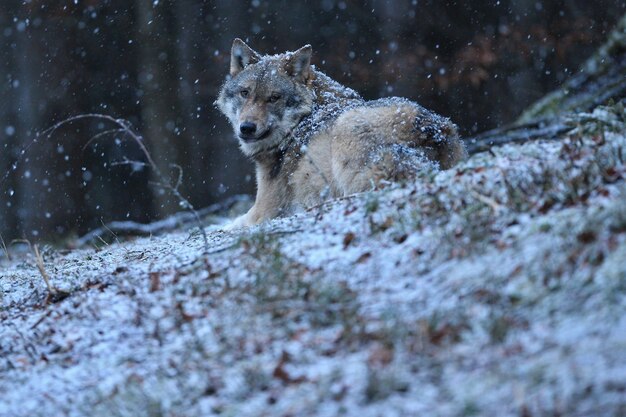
x=29 y=347
x=24 y=241
x=179 y=181
x=335 y=200
x=172 y=222
x=495 y=206
x=130 y=162
x=50 y=131
x=520 y=133
x=102 y=134
x=124 y=126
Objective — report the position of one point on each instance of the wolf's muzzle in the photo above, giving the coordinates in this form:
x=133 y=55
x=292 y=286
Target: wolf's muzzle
x=247 y=129
x=249 y=134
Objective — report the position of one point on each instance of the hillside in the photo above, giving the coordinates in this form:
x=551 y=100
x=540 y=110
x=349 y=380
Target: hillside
x=494 y=288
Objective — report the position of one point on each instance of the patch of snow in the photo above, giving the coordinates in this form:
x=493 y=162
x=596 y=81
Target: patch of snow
x=494 y=288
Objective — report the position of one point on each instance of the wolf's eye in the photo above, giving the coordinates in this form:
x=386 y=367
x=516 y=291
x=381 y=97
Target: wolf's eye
x=244 y=93
x=274 y=98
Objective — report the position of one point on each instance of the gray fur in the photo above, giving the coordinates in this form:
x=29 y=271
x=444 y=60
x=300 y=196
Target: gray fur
x=314 y=138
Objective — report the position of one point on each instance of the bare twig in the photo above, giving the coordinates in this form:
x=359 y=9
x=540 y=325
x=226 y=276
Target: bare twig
x=29 y=347
x=126 y=228
x=127 y=161
x=25 y=241
x=179 y=181
x=495 y=206
x=521 y=133
x=102 y=134
x=41 y=319
x=125 y=127
x=50 y=131
x=4 y=246
x=334 y=201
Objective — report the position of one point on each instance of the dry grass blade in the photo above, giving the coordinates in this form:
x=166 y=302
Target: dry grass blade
x=54 y=295
x=42 y=270
x=4 y=247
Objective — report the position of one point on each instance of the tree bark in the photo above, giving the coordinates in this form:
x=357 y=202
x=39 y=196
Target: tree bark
x=157 y=79
x=7 y=133
x=33 y=170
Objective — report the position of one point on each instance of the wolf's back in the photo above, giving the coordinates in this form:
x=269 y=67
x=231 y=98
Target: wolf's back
x=428 y=129
x=331 y=100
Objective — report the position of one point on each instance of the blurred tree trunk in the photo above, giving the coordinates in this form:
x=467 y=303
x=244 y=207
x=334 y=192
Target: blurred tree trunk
x=33 y=173
x=7 y=133
x=189 y=65
x=157 y=79
x=220 y=158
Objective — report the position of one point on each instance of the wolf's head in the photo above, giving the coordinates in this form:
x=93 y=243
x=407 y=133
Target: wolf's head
x=266 y=96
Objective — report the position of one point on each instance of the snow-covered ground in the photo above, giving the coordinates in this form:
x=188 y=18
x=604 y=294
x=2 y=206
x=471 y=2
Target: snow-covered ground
x=497 y=288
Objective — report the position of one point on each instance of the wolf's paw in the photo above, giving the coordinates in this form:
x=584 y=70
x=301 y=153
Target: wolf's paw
x=238 y=223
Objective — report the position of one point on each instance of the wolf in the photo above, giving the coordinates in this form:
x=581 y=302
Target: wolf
x=312 y=139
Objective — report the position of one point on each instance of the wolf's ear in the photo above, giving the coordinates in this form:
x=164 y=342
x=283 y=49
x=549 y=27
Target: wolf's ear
x=298 y=63
x=241 y=55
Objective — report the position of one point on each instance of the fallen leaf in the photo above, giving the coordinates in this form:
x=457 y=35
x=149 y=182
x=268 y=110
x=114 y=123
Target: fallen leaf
x=348 y=239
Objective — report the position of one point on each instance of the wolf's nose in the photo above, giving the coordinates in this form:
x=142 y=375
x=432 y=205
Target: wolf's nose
x=247 y=128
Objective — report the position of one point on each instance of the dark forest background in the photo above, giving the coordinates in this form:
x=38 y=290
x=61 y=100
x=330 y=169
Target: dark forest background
x=159 y=64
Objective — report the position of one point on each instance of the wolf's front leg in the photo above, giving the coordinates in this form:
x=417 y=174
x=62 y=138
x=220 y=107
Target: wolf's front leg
x=262 y=210
x=245 y=220
x=272 y=199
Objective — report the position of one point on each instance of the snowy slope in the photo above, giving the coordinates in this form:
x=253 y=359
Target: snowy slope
x=494 y=288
